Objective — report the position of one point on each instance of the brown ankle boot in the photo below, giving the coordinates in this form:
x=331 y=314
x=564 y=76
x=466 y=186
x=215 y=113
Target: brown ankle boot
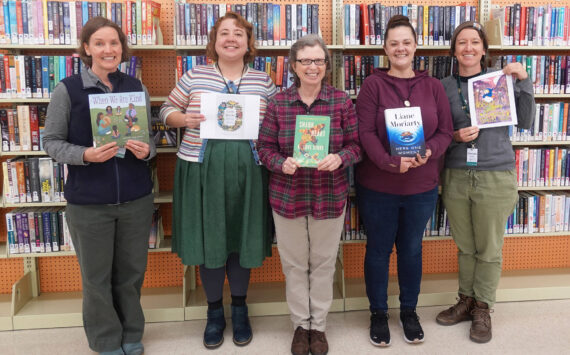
x=300 y=344
x=319 y=344
x=480 y=331
x=457 y=313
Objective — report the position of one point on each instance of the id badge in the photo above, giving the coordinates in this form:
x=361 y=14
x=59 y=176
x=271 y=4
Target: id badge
x=472 y=156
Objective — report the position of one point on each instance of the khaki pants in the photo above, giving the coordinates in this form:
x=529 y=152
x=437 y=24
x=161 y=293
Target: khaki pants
x=478 y=204
x=308 y=249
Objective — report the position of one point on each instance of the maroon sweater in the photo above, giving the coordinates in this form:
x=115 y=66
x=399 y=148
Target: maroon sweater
x=381 y=172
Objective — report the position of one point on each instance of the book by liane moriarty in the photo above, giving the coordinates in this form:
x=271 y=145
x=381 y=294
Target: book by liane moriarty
x=118 y=117
x=311 y=143
x=405 y=131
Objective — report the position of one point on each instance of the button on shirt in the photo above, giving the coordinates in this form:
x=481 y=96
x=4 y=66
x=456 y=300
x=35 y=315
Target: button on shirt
x=320 y=194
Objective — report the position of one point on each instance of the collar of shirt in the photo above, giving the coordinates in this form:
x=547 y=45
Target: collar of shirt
x=325 y=94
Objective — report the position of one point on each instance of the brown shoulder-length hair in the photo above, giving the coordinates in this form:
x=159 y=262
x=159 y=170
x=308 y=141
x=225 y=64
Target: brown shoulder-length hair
x=310 y=40
x=482 y=35
x=397 y=21
x=94 y=25
x=240 y=22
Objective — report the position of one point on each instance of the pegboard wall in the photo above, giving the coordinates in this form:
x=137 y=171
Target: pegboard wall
x=11 y=270
x=61 y=274
x=440 y=256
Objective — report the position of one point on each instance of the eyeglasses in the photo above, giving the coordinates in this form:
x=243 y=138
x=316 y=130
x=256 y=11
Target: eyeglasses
x=307 y=62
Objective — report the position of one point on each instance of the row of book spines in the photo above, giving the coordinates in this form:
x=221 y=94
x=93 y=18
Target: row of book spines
x=23 y=76
x=275 y=66
x=542 y=167
x=34 y=76
x=22 y=128
x=534 y=25
x=550 y=124
x=353 y=225
x=60 y=22
x=357 y=68
x=434 y=25
x=273 y=24
x=540 y=212
x=33 y=179
x=549 y=74
x=42 y=230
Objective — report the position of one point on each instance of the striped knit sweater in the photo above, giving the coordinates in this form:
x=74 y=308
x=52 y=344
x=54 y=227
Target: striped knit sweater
x=185 y=97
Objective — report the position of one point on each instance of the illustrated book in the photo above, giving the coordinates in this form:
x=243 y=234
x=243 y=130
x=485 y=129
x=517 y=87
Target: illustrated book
x=492 y=100
x=311 y=143
x=405 y=130
x=229 y=116
x=118 y=117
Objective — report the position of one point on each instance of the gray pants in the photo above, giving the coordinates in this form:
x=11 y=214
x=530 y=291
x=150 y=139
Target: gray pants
x=478 y=204
x=308 y=249
x=111 y=242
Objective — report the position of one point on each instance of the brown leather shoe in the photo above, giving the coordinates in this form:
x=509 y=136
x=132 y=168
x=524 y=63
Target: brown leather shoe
x=480 y=331
x=319 y=344
x=457 y=313
x=300 y=344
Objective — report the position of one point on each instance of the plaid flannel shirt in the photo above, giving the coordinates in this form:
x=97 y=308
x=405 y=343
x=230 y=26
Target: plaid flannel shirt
x=321 y=194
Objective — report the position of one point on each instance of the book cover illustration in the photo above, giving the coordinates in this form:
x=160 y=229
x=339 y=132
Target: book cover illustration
x=492 y=100
x=162 y=135
x=405 y=131
x=229 y=116
x=311 y=142
x=118 y=117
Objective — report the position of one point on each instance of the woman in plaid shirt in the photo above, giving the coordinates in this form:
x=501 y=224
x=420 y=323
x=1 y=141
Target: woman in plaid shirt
x=309 y=203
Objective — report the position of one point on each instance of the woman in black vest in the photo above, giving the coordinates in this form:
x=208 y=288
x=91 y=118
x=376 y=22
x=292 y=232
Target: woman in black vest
x=108 y=193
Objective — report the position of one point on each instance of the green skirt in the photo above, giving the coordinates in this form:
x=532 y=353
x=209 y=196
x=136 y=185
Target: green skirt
x=221 y=206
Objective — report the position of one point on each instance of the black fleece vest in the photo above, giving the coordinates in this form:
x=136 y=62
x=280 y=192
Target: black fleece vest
x=117 y=180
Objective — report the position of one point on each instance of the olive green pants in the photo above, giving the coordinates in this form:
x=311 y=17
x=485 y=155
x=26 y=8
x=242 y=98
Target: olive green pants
x=478 y=204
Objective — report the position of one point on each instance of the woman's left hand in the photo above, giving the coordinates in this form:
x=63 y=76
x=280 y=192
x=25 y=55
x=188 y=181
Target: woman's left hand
x=419 y=161
x=515 y=69
x=140 y=149
x=330 y=163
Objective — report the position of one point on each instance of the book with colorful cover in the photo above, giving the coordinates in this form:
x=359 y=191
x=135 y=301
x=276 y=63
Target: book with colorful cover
x=311 y=143
x=405 y=130
x=118 y=117
x=492 y=100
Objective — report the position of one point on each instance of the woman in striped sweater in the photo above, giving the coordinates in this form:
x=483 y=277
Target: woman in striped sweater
x=220 y=208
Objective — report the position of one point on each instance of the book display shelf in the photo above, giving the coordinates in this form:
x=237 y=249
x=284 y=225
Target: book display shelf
x=43 y=290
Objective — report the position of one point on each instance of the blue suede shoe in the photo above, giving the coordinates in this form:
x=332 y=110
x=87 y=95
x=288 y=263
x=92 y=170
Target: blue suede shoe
x=241 y=326
x=214 y=332
x=133 y=348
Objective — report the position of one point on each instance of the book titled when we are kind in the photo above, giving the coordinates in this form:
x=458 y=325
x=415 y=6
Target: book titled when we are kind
x=118 y=117
x=311 y=143
x=405 y=131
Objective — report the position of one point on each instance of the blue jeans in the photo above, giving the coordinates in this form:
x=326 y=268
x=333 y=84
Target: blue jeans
x=390 y=219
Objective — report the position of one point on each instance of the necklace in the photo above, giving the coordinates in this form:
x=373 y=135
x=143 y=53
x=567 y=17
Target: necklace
x=231 y=87
x=405 y=100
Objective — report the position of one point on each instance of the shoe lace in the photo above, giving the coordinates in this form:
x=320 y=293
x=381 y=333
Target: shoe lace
x=482 y=316
x=377 y=320
x=411 y=320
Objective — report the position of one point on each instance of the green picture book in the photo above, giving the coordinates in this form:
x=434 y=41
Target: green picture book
x=118 y=117
x=311 y=139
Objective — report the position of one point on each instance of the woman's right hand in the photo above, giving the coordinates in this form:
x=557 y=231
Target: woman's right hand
x=290 y=166
x=406 y=163
x=100 y=154
x=192 y=120
x=467 y=134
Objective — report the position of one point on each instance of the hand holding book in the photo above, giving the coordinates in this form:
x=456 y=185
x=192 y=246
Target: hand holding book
x=100 y=154
x=330 y=163
x=140 y=149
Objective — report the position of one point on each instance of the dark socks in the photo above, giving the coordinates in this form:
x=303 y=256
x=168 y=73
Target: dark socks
x=215 y=305
x=238 y=301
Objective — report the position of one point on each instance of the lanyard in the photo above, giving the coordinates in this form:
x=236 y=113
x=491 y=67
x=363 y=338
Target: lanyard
x=464 y=104
x=232 y=85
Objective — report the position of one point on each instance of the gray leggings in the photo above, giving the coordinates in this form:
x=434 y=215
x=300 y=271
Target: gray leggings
x=213 y=279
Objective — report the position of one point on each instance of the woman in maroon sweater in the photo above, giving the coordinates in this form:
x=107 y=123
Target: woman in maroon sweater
x=397 y=195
